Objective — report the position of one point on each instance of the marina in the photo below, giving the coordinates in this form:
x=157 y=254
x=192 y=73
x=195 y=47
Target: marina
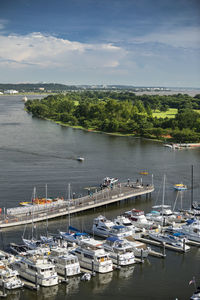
x=36 y=152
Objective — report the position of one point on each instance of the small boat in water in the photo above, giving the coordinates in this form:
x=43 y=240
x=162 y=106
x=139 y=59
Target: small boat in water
x=144 y=172
x=80 y=158
x=180 y=187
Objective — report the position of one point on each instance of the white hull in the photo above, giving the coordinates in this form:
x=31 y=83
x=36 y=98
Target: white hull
x=68 y=270
x=98 y=267
x=49 y=281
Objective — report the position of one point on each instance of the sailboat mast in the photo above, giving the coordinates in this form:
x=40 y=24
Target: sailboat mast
x=163 y=195
x=46 y=210
x=192 y=183
x=69 y=187
x=34 y=195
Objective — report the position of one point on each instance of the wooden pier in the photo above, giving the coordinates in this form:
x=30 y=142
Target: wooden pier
x=99 y=198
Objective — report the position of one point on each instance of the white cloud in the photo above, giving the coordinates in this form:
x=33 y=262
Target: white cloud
x=185 y=37
x=49 y=51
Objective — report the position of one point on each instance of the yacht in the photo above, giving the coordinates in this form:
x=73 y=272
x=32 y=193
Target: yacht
x=65 y=263
x=124 y=221
x=121 y=252
x=9 y=278
x=120 y=231
x=36 y=268
x=101 y=226
x=93 y=258
x=191 y=230
x=138 y=218
x=139 y=249
x=175 y=240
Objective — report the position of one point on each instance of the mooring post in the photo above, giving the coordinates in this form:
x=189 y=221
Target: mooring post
x=184 y=244
x=164 y=249
x=142 y=255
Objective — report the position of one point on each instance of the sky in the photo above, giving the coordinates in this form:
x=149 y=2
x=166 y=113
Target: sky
x=128 y=42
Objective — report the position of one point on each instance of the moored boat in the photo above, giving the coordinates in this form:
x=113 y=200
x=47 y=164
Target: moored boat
x=37 y=269
x=120 y=251
x=93 y=258
x=9 y=278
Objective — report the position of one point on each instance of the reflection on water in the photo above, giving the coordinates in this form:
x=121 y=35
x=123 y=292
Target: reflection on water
x=72 y=287
x=125 y=272
x=14 y=294
x=100 y=282
x=47 y=292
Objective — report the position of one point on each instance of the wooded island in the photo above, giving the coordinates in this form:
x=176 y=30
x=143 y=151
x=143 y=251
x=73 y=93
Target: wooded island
x=174 y=118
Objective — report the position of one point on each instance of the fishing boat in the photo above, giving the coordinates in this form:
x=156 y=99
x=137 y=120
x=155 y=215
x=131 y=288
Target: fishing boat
x=180 y=187
x=177 y=240
x=65 y=263
x=101 y=226
x=120 y=251
x=93 y=258
x=37 y=269
x=9 y=278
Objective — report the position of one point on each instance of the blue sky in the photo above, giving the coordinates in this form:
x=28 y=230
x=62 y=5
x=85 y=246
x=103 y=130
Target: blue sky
x=137 y=42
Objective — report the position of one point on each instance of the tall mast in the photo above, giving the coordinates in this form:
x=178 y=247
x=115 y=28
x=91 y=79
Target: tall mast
x=192 y=183
x=69 y=204
x=46 y=210
x=163 y=195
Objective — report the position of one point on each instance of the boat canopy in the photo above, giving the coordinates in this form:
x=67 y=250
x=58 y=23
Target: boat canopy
x=118 y=227
x=190 y=221
x=113 y=239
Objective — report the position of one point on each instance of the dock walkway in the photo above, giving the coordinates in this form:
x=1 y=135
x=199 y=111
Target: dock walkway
x=102 y=197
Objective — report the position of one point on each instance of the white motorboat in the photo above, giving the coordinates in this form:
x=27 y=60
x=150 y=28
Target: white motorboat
x=101 y=226
x=37 y=269
x=9 y=278
x=120 y=251
x=139 y=249
x=138 y=218
x=93 y=258
x=191 y=230
x=175 y=240
x=65 y=263
x=124 y=221
x=120 y=231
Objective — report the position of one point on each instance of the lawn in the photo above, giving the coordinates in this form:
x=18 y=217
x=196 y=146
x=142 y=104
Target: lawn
x=170 y=113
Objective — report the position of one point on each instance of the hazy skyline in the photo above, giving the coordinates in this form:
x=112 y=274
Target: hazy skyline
x=130 y=42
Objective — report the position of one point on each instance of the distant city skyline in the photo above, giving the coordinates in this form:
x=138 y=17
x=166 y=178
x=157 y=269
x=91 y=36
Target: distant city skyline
x=101 y=42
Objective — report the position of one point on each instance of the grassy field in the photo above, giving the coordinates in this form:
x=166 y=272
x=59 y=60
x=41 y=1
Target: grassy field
x=169 y=114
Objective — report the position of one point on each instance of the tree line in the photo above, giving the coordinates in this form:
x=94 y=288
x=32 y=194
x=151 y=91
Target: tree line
x=123 y=112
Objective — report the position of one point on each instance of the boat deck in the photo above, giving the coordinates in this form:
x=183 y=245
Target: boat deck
x=102 y=197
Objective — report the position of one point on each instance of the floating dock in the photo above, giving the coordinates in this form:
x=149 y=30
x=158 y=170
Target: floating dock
x=37 y=212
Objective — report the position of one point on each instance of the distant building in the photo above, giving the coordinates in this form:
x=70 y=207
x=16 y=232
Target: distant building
x=41 y=89
x=11 y=92
x=1 y=93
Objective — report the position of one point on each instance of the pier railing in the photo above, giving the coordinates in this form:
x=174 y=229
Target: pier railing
x=104 y=196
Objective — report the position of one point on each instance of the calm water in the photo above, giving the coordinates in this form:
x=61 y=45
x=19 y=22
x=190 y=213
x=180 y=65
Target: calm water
x=35 y=152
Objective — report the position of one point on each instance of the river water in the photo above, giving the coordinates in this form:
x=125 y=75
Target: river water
x=36 y=152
